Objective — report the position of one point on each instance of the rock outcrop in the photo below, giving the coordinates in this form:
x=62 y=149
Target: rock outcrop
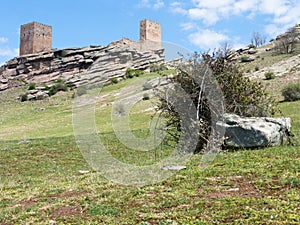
x=253 y=132
x=78 y=65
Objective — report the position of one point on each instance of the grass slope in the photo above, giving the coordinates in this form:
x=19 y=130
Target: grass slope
x=41 y=182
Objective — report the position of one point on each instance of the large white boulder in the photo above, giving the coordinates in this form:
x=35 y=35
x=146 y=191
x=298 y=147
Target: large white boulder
x=251 y=132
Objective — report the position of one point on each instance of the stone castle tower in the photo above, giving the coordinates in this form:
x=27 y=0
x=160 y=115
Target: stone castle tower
x=34 y=38
x=150 y=31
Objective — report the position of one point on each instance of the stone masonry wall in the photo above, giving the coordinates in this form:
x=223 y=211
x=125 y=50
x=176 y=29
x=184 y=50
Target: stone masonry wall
x=34 y=38
x=150 y=31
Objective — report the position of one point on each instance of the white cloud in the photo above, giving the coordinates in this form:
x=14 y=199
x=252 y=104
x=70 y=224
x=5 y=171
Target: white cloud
x=212 y=4
x=188 y=26
x=283 y=21
x=3 y=39
x=208 y=17
x=208 y=39
x=244 y=6
x=275 y=16
x=177 y=7
x=210 y=12
x=274 y=7
x=144 y=4
x=7 y=52
x=157 y=4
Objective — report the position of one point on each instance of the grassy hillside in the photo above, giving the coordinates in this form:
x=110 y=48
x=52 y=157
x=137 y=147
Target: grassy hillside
x=45 y=180
x=285 y=67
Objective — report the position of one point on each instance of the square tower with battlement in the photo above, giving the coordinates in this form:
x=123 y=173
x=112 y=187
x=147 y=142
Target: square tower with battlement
x=150 y=31
x=34 y=38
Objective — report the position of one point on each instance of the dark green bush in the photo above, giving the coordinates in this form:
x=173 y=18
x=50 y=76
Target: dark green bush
x=31 y=86
x=46 y=87
x=269 y=75
x=139 y=73
x=130 y=73
x=59 y=85
x=114 y=80
x=24 y=97
x=156 y=68
x=291 y=92
x=244 y=59
x=256 y=68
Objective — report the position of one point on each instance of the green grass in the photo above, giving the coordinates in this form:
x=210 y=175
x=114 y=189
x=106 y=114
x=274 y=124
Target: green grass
x=41 y=182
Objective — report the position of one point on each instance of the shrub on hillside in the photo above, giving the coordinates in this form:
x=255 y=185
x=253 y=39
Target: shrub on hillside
x=31 y=86
x=24 y=97
x=241 y=95
x=114 y=80
x=129 y=73
x=139 y=73
x=269 y=75
x=156 y=68
x=291 y=92
x=245 y=59
x=59 y=85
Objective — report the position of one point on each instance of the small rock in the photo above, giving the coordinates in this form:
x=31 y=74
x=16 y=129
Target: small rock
x=83 y=171
x=252 y=51
x=31 y=97
x=52 y=222
x=32 y=92
x=3 y=87
x=39 y=109
x=40 y=88
x=233 y=189
x=4 y=81
x=176 y=168
x=23 y=142
x=41 y=95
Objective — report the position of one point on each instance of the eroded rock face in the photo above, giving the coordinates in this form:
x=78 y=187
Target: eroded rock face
x=78 y=65
x=252 y=132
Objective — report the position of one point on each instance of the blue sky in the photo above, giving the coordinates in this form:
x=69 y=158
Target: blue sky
x=197 y=25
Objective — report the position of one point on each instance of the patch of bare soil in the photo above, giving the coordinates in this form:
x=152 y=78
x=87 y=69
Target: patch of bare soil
x=67 y=194
x=243 y=187
x=66 y=211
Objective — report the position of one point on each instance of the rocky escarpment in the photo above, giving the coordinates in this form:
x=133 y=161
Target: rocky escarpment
x=78 y=65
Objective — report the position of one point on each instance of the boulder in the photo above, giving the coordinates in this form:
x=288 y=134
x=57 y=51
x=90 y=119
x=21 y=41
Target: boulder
x=41 y=95
x=252 y=51
x=32 y=92
x=31 y=97
x=254 y=132
x=3 y=87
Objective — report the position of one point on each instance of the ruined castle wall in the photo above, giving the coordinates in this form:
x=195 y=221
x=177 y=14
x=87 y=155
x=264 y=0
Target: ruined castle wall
x=150 y=31
x=34 y=38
